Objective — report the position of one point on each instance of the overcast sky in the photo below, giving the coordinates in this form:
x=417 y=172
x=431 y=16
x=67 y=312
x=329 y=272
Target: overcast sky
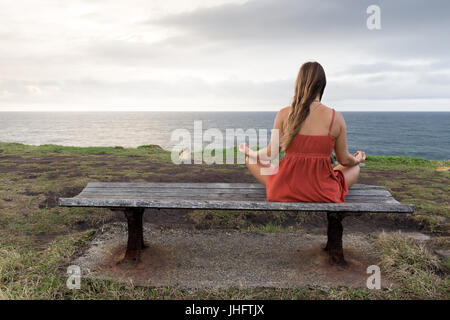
x=234 y=55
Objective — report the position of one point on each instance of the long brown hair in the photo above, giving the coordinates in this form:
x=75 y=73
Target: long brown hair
x=310 y=83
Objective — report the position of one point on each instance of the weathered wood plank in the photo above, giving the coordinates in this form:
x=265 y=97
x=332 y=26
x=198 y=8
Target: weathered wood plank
x=225 y=196
x=237 y=205
x=197 y=185
x=210 y=196
x=204 y=191
x=240 y=197
x=173 y=185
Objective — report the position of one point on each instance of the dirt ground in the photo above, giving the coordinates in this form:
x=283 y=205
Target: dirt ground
x=228 y=259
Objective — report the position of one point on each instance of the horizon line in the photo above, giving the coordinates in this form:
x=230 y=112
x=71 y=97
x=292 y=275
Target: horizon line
x=212 y=111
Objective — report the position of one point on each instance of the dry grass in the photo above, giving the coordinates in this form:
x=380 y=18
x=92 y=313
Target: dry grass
x=413 y=265
x=29 y=274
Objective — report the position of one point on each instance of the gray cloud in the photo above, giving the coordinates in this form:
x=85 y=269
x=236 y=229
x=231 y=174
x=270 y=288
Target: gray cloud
x=244 y=54
x=406 y=24
x=141 y=93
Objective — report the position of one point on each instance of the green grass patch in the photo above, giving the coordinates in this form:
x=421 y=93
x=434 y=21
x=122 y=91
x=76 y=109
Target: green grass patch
x=403 y=162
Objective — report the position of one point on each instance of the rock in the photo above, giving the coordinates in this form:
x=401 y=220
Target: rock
x=443 y=253
x=416 y=236
x=150 y=146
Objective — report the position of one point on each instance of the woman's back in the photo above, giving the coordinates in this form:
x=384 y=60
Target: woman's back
x=318 y=121
x=315 y=134
x=306 y=174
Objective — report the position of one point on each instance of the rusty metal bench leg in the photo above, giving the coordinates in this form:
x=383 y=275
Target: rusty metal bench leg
x=135 y=234
x=334 y=243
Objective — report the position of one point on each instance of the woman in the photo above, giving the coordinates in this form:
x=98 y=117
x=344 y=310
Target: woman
x=308 y=131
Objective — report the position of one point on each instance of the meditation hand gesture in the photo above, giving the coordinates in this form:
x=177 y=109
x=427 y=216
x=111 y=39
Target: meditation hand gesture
x=244 y=148
x=360 y=156
x=249 y=153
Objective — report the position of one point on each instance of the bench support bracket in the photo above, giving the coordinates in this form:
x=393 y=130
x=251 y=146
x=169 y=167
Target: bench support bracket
x=334 y=243
x=135 y=234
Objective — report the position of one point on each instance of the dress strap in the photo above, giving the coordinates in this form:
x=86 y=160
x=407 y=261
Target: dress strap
x=331 y=124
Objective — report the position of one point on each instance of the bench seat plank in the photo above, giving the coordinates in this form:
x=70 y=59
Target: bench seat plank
x=242 y=197
x=208 y=191
x=235 y=196
x=174 y=185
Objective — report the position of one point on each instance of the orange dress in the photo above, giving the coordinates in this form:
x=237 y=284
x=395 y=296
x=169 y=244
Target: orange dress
x=305 y=174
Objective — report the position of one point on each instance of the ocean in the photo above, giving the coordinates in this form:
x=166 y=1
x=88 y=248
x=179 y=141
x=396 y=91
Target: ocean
x=412 y=134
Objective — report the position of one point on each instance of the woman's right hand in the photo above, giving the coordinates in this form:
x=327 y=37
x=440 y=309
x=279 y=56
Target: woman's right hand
x=244 y=148
x=360 y=156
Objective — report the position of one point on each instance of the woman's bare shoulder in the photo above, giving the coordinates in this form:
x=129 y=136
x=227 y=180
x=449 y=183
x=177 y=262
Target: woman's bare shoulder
x=284 y=112
x=338 y=117
x=325 y=108
x=281 y=117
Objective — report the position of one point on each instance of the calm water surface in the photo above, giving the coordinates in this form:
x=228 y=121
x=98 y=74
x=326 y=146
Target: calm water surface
x=416 y=134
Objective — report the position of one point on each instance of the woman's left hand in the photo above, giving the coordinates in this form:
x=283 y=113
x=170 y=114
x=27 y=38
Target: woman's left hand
x=360 y=156
x=244 y=148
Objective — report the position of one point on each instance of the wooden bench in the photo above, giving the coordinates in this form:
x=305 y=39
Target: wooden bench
x=134 y=198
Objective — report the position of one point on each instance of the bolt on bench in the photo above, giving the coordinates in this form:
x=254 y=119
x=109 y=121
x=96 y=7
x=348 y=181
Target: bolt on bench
x=134 y=198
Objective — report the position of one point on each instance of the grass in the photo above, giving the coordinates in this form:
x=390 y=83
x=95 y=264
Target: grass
x=39 y=239
x=270 y=228
x=414 y=266
x=382 y=161
x=29 y=274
